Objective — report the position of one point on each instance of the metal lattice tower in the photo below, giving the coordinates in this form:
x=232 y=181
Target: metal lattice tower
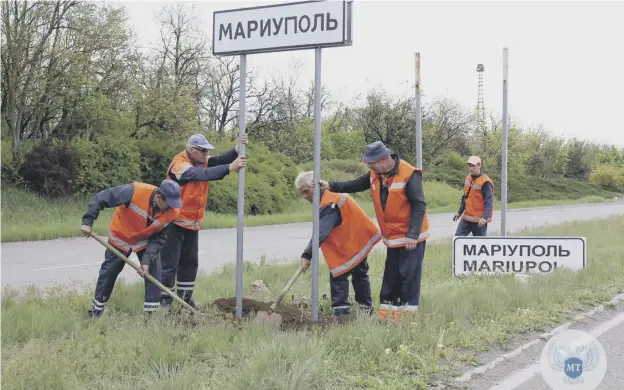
x=480 y=105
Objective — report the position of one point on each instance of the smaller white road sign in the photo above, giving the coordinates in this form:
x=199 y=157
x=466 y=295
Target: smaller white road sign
x=516 y=255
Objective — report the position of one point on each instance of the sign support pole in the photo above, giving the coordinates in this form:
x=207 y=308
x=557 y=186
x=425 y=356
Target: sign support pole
x=241 y=187
x=418 y=115
x=317 y=177
x=504 y=145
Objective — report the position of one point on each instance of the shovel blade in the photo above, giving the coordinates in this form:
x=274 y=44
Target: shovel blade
x=264 y=318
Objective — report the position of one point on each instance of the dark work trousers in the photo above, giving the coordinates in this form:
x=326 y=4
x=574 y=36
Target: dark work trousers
x=110 y=269
x=464 y=228
x=179 y=259
x=361 y=285
x=402 y=276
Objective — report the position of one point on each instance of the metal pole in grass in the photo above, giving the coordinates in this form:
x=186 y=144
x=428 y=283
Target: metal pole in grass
x=317 y=177
x=504 y=144
x=240 y=225
x=418 y=115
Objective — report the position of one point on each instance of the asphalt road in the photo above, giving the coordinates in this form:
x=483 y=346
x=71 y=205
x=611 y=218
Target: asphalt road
x=523 y=371
x=75 y=261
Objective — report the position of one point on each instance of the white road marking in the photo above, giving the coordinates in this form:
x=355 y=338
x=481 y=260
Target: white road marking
x=523 y=375
x=66 y=266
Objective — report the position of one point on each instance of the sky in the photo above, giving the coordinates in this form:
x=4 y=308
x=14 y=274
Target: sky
x=566 y=59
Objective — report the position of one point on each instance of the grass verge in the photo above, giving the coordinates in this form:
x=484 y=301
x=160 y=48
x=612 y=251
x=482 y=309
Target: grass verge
x=51 y=344
x=28 y=217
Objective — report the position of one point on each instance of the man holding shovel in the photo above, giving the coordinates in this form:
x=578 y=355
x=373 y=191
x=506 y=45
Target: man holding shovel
x=192 y=169
x=346 y=236
x=397 y=194
x=140 y=224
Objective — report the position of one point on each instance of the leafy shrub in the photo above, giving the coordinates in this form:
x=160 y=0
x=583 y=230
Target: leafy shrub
x=347 y=145
x=349 y=167
x=107 y=162
x=608 y=176
x=155 y=157
x=51 y=170
x=269 y=182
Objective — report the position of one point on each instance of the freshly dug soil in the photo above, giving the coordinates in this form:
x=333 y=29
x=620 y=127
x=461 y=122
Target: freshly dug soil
x=292 y=318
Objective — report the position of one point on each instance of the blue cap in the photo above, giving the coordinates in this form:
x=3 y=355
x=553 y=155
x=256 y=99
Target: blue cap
x=171 y=191
x=199 y=141
x=375 y=152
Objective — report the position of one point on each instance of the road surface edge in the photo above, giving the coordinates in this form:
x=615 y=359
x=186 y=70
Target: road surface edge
x=467 y=376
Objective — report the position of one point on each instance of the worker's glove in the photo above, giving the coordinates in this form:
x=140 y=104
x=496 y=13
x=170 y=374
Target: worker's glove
x=456 y=217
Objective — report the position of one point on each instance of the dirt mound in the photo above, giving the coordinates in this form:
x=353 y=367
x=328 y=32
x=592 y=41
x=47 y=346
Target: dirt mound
x=292 y=317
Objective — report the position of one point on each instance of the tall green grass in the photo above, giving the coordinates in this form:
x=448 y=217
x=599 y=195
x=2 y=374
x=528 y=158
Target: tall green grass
x=51 y=344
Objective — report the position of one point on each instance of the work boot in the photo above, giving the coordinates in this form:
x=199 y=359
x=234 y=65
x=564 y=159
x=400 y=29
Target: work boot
x=165 y=303
x=367 y=310
x=403 y=312
x=147 y=315
x=94 y=313
x=191 y=303
x=386 y=311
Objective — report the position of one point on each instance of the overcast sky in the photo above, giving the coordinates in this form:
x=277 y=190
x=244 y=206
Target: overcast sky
x=566 y=59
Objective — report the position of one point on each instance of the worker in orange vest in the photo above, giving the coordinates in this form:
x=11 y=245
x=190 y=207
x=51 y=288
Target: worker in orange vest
x=192 y=169
x=397 y=194
x=139 y=224
x=346 y=237
x=477 y=205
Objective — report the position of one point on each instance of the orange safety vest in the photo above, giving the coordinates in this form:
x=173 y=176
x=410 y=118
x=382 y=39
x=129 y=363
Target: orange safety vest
x=194 y=194
x=128 y=229
x=395 y=219
x=474 y=202
x=350 y=242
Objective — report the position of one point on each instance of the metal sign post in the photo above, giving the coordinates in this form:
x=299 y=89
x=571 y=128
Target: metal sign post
x=273 y=28
x=418 y=116
x=504 y=145
x=316 y=199
x=240 y=224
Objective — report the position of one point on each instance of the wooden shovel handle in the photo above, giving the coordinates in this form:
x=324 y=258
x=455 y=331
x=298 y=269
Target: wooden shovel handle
x=147 y=276
x=285 y=290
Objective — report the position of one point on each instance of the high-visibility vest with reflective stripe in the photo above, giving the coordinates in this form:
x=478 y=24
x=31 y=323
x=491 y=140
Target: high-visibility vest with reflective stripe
x=350 y=242
x=194 y=193
x=128 y=228
x=395 y=219
x=474 y=203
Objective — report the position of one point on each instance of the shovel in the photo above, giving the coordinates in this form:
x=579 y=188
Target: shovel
x=275 y=318
x=147 y=276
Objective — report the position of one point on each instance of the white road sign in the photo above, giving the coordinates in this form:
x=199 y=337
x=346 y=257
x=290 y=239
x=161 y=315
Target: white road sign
x=516 y=255
x=290 y=26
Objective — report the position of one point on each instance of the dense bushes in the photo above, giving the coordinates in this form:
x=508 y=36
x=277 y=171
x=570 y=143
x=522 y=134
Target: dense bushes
x=155 y=157
x=268 y=183
x=608 y=176
x=297 y=142
x=86 y=167
x=520 y=187
x=51 y=170
x=107 y=162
